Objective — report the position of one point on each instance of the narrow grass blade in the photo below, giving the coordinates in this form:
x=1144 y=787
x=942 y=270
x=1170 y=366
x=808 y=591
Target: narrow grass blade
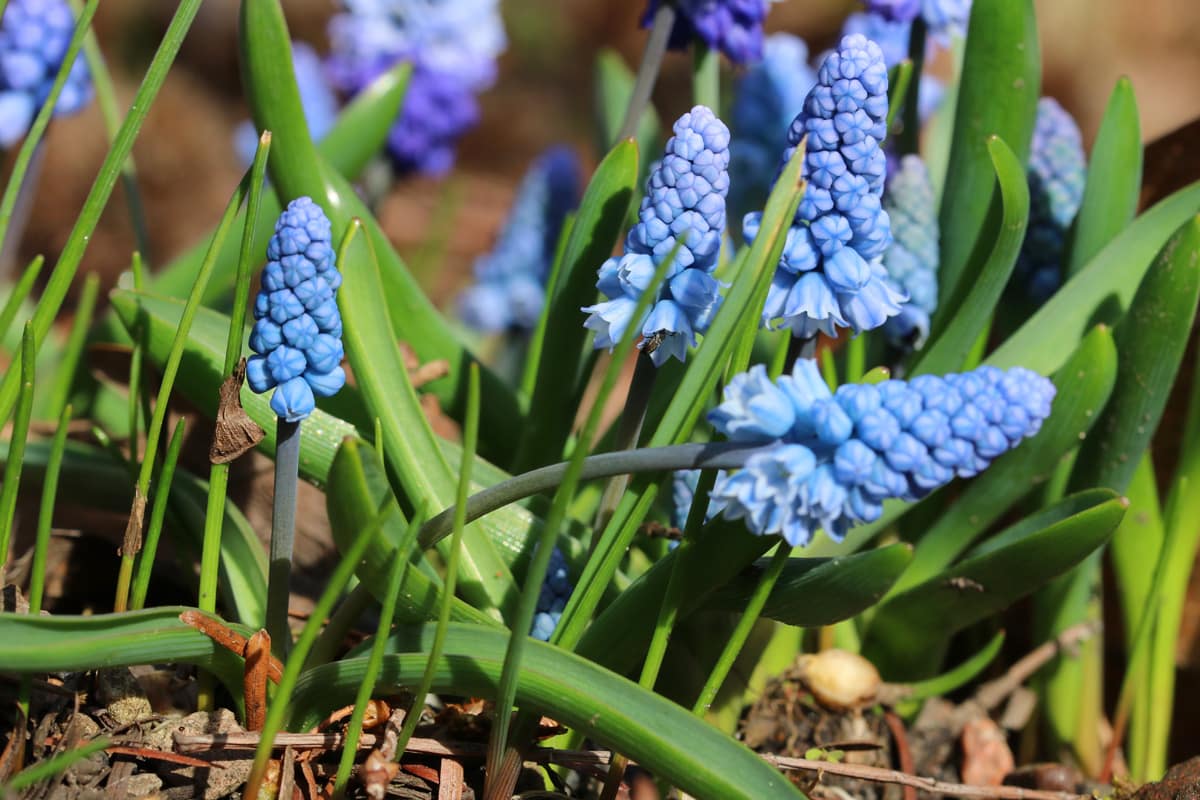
x=687 y=752
x=948 y=350
x=997 y=96
x=20 y=291
x=158 y=513
x=1114 y=181
x=72 y=352
x=16 y=450
x=37 y=572
x=85 y=224
x=956 y=677
x=53 y=766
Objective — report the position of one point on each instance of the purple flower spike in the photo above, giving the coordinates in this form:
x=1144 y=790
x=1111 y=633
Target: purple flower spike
x=846 y=452
x=683 y=212
x=297 y=330
x=735 y=27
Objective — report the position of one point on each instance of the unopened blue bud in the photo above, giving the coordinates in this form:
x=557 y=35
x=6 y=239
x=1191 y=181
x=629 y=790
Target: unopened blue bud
x=552 y=598
x=912 y=260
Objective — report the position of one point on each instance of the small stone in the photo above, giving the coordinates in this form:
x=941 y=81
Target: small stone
x=122 y=696
x=840 y=680
x=1182 y=782
x=143 y=784
x=986 y=755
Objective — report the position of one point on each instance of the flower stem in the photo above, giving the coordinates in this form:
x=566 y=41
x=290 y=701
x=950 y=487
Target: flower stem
x=283 y=531
x=742 y=632
x=706 y=76
x=647 y=74
x=628 y=431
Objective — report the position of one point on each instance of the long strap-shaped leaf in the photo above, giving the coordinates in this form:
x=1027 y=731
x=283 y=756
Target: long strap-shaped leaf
x=665 y=738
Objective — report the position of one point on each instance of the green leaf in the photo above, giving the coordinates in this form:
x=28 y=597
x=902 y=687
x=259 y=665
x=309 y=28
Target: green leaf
x=597 y=226
x=65 y=643
x=1114 y=181
x=357 y=486
x=1083 y=386
x=956 y=677
x=813 y=592
x=414 y=461
x=997 y=96
x=297 y=169
x=949 y=348
x=663 y=737
x=1150 y=340
x=1100 y=292
x=908 y=634
x=614 y=85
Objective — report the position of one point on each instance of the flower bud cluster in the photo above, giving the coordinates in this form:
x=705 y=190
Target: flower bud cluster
x=840 y=455
x=682 y=216
x=297 y=334
x=830 y=275
x=34 y=38
x=509 y=291
x=912 y=260
x=1057 y=172
x=734 y=27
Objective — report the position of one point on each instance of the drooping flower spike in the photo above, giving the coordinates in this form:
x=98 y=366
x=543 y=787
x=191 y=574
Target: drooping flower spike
x=912 y=260
x=830 y=275
x=767 y=98
x=734 y=27
x=452 y=45
x=683 y=212
x=297 y=334
x=1057 y=172
x=34 y=37
x=839 y=455
x=509 y=291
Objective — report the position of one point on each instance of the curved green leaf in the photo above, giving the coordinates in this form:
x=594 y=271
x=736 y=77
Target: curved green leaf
x=1084 y=384
x=909 y=633
x=949 y=349
x=661 y=736
x=357 y=486
x=813 y=592
x=997 y=96
x=1114 y=181
x=597 y=225
x=414 y=462
x=1150 y=339
x=34 y=644
x=955 y=677
x=1100 y=292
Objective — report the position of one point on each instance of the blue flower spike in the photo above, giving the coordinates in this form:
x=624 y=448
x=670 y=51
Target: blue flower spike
x=552 y=598
x=840 y=455
x=682 y=212
x=509 y=291
x=831 y=275
x=453 y=47
x=734 y=27
x=297 y=334
x=1057 y=173
x=34 y=37
x=912 y=260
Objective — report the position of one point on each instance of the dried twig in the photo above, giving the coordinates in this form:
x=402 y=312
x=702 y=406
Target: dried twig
x=160 y=755
x=993 y=693
x=451 y=780
x=254 y=687
x=903 y=753
x=231 y=640
x=932 y=785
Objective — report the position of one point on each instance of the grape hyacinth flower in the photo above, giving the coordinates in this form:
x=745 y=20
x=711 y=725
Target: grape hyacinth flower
x=734 y=27
x=767 y=99
x=912 y=260
x=840 y=455
x=895 y=10
x=552 y=599
x=830 y=275
x=683 y=212
x=1057 y=172
x=34 y=37
x=509 y=291
x=452 y=45
x=946 y=18
x=317 y=98
x=297 y=335
x=892 y=37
